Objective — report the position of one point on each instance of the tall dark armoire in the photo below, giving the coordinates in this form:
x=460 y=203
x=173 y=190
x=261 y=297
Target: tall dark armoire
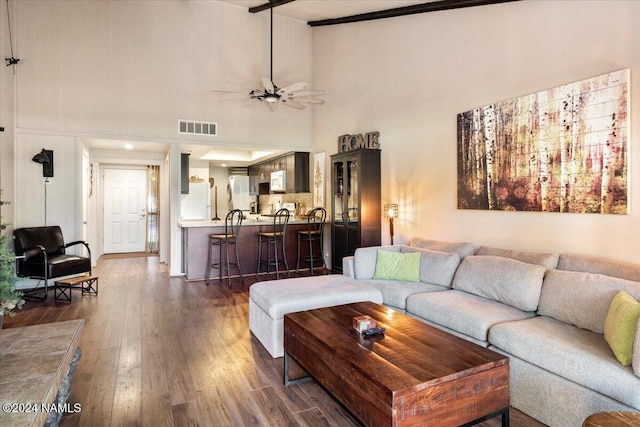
x=355 y=205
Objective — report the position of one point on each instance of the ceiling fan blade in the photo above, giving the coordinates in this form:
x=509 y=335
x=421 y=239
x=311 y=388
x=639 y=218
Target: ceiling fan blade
x=228 y=91
x=272 y=106
x=268 y=85
x=292 y=87
x=310 y=100
x=250 y=102
x=301 y=93
x=293 y=104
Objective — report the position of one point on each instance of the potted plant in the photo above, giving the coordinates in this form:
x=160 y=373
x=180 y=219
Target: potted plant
x=10 y=299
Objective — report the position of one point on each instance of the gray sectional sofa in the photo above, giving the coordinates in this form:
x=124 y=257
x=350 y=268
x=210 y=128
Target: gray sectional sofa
x=545 y=311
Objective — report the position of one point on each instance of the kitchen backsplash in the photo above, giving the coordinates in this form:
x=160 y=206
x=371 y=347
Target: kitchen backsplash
x=269 y=203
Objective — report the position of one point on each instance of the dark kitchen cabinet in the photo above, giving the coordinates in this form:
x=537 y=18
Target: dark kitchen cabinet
x=184 y=173
x=356 y=219
x=296 y=165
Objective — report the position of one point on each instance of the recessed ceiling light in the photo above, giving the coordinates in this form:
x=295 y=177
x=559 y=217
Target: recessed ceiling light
x=223 y=165
x=128 y=146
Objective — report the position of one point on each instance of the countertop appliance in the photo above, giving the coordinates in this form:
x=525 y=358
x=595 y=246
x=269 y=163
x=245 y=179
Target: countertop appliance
x=238 y=193
x=279 y=180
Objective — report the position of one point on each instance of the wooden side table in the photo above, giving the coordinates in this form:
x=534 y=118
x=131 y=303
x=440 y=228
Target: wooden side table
x=613 y=419
x=35 y=362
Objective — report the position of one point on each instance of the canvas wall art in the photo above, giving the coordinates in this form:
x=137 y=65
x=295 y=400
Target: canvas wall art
x=558 y=150
x=319 y=179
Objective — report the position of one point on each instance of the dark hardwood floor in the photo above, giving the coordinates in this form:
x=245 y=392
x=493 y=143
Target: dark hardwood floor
x=159 y=351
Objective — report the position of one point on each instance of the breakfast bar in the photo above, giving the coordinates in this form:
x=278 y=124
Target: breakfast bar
x=195 y=238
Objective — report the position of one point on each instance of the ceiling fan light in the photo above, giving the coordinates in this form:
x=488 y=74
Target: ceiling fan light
x=270 y=98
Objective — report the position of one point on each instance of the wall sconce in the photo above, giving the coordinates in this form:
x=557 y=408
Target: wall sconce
x=45 y=157
x=391 y=212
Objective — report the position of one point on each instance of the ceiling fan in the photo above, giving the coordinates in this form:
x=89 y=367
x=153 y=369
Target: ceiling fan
x=292 y=95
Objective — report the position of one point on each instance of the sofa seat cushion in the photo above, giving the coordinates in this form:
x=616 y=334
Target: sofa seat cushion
x=579 y=355
x=460 y=311
x=278 y=297
x=506 y=280
x=395 y=292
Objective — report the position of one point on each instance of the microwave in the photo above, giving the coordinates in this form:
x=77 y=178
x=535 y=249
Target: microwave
x=279 y=180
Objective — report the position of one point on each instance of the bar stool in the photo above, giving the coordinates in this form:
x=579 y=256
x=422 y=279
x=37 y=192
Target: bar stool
x=232 y=223
x=313 y=233
x=276 y=235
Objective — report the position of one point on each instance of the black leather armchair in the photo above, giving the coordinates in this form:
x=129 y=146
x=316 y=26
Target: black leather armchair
x=41 y=254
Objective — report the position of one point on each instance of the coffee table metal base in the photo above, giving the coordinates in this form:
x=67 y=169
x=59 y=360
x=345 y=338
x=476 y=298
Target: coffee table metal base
x=287 y=381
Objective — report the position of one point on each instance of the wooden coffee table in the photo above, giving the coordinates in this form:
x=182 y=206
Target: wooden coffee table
x=413 y=375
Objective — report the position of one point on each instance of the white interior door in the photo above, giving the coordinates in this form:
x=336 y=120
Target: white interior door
x=125 y=210
x=86 y=165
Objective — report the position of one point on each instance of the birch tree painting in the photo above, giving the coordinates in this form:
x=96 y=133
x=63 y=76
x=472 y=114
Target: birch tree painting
x=559 y=150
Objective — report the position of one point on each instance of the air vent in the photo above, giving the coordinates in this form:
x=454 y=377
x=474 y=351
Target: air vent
x=238 y=171
x=197 y=128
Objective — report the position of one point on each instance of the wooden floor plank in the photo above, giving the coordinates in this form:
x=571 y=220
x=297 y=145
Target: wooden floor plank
x=160 y=351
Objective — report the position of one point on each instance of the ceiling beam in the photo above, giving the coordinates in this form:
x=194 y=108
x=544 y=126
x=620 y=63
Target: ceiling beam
x=274 y=3
x=407 y=10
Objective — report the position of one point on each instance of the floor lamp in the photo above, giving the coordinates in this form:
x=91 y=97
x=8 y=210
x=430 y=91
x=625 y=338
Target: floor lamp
x=391 y=212
x=45 y=157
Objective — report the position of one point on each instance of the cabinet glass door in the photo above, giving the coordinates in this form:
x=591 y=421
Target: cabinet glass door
x=338 y=192
x=352 y=192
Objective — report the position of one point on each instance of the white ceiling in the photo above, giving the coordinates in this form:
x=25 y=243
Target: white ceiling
x=304 y=10
x=315 y=10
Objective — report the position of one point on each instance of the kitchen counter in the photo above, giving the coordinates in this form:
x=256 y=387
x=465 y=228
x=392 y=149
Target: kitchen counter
x=195 y=244
x=251 y=221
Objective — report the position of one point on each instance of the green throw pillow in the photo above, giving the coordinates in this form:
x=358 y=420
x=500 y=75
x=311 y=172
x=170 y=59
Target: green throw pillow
x=620 y=326
x=397 y=266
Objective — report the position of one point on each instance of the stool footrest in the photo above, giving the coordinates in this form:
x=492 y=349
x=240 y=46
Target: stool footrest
x=63 y=287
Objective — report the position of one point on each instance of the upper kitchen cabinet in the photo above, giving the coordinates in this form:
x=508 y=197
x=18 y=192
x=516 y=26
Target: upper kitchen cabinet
x=295 y=165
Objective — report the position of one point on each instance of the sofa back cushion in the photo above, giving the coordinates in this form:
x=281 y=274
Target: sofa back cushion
x=581 y=299
x=547 y=260
x=506 y=280
x=436 y=267
x=364 y=260
x=463 y=249
x=600 y=265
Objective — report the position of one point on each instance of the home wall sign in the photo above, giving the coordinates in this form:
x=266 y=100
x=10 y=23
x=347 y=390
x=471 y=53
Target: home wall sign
x=558 y=150
x=370 y=140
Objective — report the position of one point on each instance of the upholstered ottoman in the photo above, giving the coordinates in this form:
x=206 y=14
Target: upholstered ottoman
x=270 y=301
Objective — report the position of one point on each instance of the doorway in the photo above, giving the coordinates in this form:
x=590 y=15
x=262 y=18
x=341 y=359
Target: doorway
x=125 y=210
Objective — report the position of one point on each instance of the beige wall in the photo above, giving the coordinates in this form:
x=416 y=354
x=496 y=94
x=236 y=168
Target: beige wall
x=409 y=77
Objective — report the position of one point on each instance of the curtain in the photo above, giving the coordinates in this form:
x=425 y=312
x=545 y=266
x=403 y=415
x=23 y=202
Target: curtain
x=153 y=210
